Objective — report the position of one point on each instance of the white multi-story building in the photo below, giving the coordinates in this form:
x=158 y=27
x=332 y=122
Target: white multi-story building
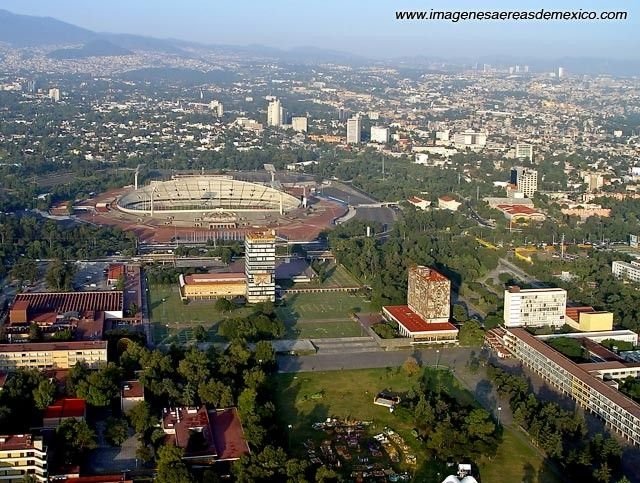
x=534 y=307
x=628 y=271
x=470 y=139
x=260 y=266
x=525 y=179
x=217 y=108
x=22 y=455
x=54 y=93
x=354 y=130
x=524 y=151
x=299 y=124
x=379 y=134
x=561 y=72
x=275 y=113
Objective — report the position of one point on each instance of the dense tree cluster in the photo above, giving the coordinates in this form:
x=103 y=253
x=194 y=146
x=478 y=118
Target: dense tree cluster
x=424 y=238
x=28 y=237
x=560 y=433
x=450 y=429
x=263 y=323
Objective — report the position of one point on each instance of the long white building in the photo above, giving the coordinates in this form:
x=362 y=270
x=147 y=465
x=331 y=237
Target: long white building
x=534 y=307
x=625 y=270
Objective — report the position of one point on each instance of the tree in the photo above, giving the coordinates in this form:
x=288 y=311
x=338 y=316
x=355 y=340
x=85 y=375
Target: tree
x=74 y=437
x=100 y=386
x=224 y=305
x=171 y=468
x=59 y=275
x=43 y=394
x=117 y=431
x=141 y=418
x=411 y=366
x=471 y=334
x=264 y=353
x=200 y=333
x=35 y=332
x=215 y=393
x=460 y=313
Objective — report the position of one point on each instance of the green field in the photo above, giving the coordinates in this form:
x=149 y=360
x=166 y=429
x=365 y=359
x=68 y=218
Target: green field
x=320 y=315
x=335 y=276
x=344 y=394
x=174 y=321
x=305 y=398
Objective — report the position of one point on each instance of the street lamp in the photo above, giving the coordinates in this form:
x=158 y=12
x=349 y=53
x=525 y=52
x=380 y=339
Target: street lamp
x=499 y=410
x=290 y=426
x=437 y=358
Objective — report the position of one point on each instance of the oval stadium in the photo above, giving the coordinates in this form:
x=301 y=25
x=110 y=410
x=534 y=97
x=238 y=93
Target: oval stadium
x=205 y=195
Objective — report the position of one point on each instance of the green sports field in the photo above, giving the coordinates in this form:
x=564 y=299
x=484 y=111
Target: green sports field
x=174 y=321
x=321 y=315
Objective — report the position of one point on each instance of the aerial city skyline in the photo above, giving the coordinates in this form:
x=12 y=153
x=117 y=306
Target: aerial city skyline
x=325 y=242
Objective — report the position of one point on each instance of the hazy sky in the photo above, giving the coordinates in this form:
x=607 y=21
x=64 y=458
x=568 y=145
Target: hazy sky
x=360 y=26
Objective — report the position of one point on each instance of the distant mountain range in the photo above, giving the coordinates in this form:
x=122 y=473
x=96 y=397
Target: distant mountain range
x=29 y=31
x=93 y=48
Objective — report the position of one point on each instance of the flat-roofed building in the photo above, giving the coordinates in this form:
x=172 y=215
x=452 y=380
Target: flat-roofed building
x=22 y=455
x=260 y=266
x=524 y=151
x=299 y=123
x=534 y=307
x=587 y=319
x=429 y=294
x=412 y=325
x=581 y=382
x=52 y=355
x=626 y=270
x=212 y=286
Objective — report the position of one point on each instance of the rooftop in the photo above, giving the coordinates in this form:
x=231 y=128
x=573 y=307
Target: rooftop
x=428 y=273
x=15 y=442
x=215 y=278
x=66 y=408
x=62 y=302
x=132 y=389
x=413 y=322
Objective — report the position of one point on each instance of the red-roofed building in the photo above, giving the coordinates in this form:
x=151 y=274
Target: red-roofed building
x=206 y=436
x=518 y=212
x=419 y=202
x=63 y=409
x=446 y=202
x=412 y=325
x=132 y=393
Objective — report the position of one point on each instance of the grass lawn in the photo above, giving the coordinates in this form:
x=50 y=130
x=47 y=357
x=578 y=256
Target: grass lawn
x=334 y=306
x=517 y=460
x=319 y=315
x=173 y=321
x=306 y=398
x=318 y=330
x=335 y=276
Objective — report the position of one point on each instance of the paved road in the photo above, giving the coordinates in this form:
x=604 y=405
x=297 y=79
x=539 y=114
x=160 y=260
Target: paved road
x=521 y=274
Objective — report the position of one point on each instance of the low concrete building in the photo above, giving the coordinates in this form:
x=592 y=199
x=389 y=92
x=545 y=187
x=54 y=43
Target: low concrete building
x=212 y=286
